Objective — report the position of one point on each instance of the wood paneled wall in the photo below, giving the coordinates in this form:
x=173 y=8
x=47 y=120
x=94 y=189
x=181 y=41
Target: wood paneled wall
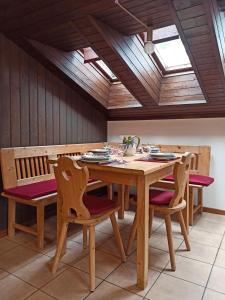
x=37 y=108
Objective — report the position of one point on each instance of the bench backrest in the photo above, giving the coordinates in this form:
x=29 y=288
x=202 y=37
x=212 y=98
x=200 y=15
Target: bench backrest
x=23 y=165
x=200 y=160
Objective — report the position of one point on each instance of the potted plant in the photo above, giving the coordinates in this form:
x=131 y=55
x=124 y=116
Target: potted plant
x=131 y=143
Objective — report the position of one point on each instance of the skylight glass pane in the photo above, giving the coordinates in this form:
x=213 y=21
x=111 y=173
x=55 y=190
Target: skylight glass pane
x=106 y=69
x=172 y=55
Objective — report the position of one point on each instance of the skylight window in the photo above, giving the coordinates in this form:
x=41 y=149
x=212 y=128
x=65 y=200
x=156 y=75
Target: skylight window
x=106 y=69
x=172 y=55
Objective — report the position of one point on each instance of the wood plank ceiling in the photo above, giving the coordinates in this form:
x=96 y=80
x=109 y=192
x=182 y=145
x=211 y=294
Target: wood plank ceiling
x=143 y=92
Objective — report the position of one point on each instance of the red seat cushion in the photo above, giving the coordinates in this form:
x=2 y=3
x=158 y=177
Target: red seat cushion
x=158 y=197
x=35 y=190
x=195 y=179
x=97 y=205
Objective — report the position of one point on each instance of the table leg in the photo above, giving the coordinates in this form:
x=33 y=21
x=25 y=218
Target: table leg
x=142 y=232
x=186 y=210
x=121 y=201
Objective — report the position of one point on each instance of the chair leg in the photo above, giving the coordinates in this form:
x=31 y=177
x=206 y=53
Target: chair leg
x=151 y=217
x=92 y=257
x=183 y=230
x=85 y=232
x=132 y=235
x=200 y=199
x=59 y=248
x=191 y=206
x=118 y=236
x=11 y=217
x=170 y=241
x=40 y=225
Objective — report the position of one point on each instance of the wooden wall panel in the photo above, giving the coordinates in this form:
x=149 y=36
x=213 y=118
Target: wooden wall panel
x=37 y=108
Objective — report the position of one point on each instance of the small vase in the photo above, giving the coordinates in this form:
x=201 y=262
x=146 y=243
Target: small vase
x=130 y=151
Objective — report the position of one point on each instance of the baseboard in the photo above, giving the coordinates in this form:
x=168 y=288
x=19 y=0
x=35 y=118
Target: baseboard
x=214 y=211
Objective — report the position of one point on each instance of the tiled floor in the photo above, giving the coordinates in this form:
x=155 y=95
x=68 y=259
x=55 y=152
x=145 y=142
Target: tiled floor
x=200 y=274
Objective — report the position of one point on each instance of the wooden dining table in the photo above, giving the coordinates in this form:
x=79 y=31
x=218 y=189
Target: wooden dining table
x=141 y=174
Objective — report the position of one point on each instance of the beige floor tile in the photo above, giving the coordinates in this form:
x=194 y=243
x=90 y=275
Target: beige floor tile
x=171 y=288
x=222 y=246
x=110 y=246
x=3 y=273
x=217 y=280
x=213 y=217
x=220 y=259
x=105 y=264
x=38 y=272
x=17 y=258
x=210 y=226
x=106 y=227
x=175 y=228
x=71 y=284
x=159 y=241
x=100 y=238
x=199 y=252
x=40 y=296
x=191 y=270
x=204 y=238
x=212 y=295
x=126 y=277
x=158 y=259
x=6 y=245
x=13 y=288
x=74 y=252
x=109 y=291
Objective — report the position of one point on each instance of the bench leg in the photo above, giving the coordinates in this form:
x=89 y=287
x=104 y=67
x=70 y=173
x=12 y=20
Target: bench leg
x=110 y=191
x=40 y=225
x=200 y=199
x=11 y=217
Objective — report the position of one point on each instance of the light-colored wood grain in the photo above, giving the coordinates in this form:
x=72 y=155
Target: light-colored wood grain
x=175 y=206
x=71 y=184
x=25 y=165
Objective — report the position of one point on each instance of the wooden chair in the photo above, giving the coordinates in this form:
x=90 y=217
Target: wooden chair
x=168 y=203
x=81 y=209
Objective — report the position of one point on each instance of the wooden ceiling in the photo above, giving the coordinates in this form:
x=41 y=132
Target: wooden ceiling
x=143 y=92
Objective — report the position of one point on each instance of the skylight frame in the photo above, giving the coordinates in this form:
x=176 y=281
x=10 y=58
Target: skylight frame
x=174 y=69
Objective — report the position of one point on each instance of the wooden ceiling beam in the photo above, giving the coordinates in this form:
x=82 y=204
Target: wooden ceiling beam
x=186 y=15
x=126 y=58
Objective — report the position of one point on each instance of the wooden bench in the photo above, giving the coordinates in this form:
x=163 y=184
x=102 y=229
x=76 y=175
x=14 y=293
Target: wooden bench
x=27 y=165
x=200 y=165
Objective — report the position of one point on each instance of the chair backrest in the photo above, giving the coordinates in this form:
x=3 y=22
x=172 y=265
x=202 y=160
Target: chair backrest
x=180 y=174
x=71 y=185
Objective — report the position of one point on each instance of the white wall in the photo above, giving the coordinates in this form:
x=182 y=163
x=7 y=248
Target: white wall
x=186 y=132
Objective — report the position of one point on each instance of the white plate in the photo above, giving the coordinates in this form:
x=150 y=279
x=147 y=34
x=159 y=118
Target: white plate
x=163 y=154
x=102 y=151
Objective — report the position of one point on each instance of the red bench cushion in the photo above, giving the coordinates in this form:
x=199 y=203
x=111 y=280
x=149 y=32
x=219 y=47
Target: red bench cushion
x=35 y=190
x=195 y=179
x=97 y=205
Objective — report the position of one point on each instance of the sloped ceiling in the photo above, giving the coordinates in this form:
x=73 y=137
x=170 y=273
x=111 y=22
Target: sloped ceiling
x=143 y=91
